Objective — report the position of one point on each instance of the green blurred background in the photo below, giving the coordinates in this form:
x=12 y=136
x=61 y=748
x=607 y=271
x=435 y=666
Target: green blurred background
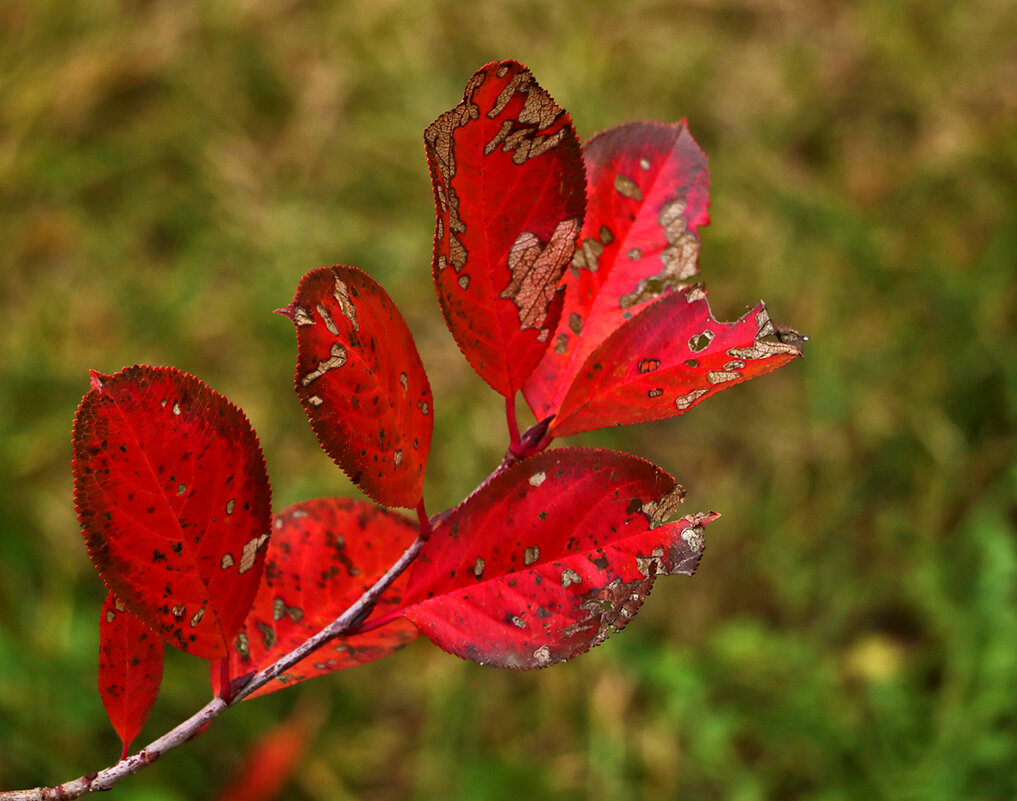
x=169 y=170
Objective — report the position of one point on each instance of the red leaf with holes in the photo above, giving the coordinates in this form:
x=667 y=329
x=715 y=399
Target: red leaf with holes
x=130 y=669
x=509 y=190
x=174 y=503
x=622 y=352
x=550 y=557
x=361 y=381
x=324 y=555
x=667 y=359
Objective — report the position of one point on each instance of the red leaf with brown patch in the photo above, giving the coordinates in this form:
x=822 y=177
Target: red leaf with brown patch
x=648 y=194
x=550 y=557
x=509 y=190
x=361 y=381
x=174 y=502
x=667 y=359
x=324 y=555
x=130 y=669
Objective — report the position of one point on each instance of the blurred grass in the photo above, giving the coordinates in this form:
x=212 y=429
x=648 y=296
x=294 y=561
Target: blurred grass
x=168 y=171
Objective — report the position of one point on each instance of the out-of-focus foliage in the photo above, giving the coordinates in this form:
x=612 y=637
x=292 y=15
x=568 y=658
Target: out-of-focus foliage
x=169 y=170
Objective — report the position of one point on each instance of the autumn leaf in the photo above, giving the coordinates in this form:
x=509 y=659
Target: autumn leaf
x=621 y=352
x=361 y=381
x=174 y=503
x=550 y=557
x=324 y=555
x=130 y=669
x=507 y=172
x=274 y=758
x=670 y=357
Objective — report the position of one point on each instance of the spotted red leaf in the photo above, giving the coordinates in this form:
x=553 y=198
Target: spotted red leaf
x=509 y=190
x=360 y=378
x=550 y=557
x=324 y=555
x=668 y=358
x=130 y=669
x=174 y=502
x=648 y=196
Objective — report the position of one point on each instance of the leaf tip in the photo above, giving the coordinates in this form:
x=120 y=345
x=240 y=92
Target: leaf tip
x=96 y=379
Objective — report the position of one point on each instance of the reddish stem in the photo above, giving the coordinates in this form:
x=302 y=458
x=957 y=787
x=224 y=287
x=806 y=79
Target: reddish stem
x=225 y=691
x=425 y=523
x=513 y=423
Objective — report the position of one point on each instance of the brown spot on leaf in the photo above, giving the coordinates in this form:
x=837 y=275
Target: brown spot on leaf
x=626 y=187
x=587 y=255
x=250 y=552
x=722 y=376
x=531 y=555
x=327 y=319
x=341 y=293
x=685 y=401
x=663 y=509
x=679 y=257
x=570 y=577
x=535 y=269
x=478 y=567
x=302 y=316
x=337 y=359
x=648 y=365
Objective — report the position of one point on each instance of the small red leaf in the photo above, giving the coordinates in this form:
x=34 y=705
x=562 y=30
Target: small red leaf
x=667 y=359
x=361 y=381
x=550 y=557
x=130 y=669
x=648 y=194
x=324 y=555
x=509 y=191
x=174 y=502
x=273 y=759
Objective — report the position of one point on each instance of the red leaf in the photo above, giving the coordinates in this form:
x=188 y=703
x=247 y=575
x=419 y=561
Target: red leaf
x=550 y=557
x=174 y=502
x=274 y=758
x=324 y=555
x=360 y=378
x=130 y=669
x=667 y=359
x=648 y=194
x=509 y=190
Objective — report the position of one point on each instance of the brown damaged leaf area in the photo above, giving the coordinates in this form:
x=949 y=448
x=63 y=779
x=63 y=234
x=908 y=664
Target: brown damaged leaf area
x=361 y=382
x=667 y=359
x=648 y=196
x=509 y=188
x=173 y=498
x=325 y=554
x=551 y=557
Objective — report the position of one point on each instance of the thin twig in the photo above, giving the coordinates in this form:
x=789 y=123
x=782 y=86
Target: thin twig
x=348 y=621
